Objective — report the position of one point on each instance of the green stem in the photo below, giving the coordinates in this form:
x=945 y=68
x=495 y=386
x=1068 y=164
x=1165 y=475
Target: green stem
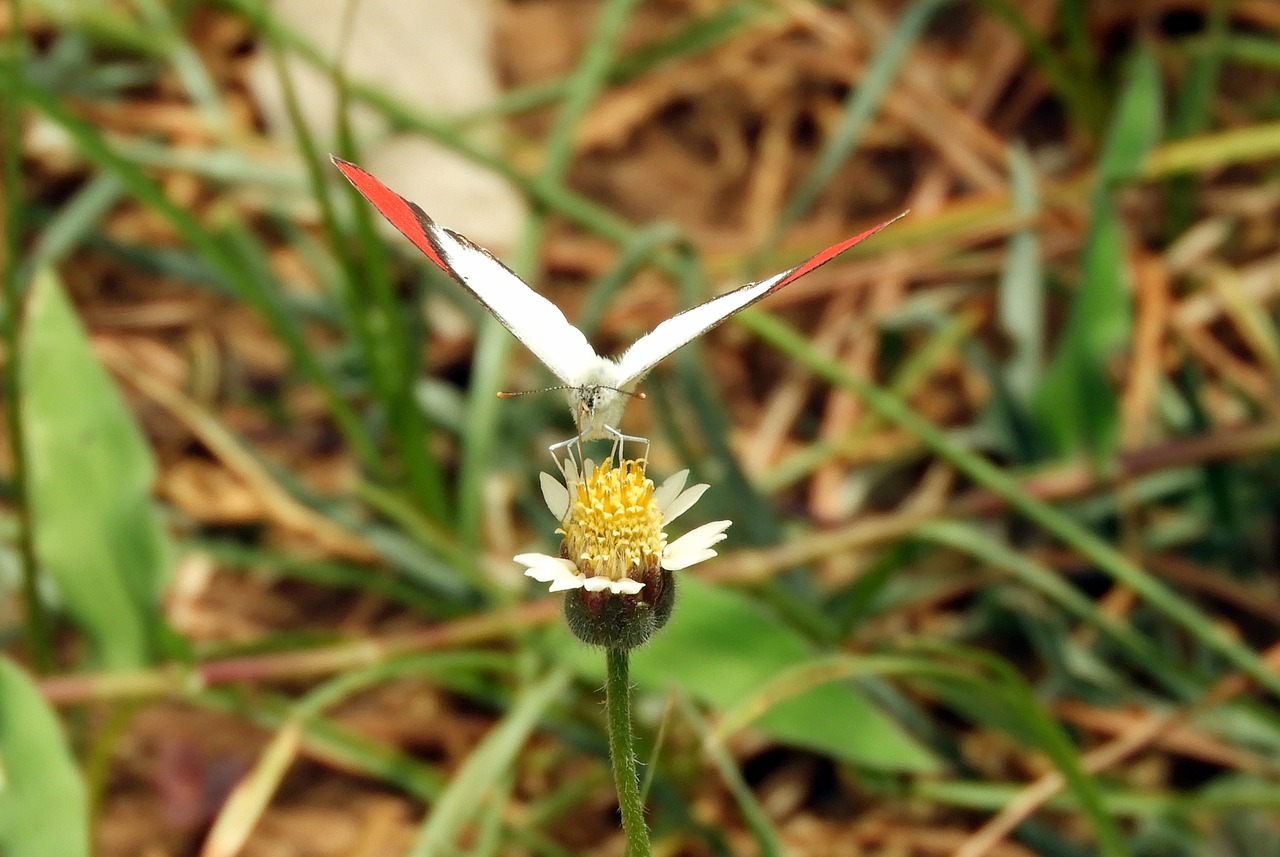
x=617 y=696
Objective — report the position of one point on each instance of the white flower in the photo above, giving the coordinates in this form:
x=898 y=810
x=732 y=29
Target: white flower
x=614 y=521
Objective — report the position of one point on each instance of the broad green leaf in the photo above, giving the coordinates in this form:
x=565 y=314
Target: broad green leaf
x=43 y=810
x=96 y=530
x=720 y=647
x=1075 y=405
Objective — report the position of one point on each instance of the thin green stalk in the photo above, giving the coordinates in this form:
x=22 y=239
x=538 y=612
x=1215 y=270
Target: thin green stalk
x=11 y=91
x=617 y=700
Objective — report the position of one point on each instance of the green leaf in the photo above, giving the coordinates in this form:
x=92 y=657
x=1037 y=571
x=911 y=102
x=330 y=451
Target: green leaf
x=95 y=529
x=1075 y=405
x=721 y=646
x=43 y=810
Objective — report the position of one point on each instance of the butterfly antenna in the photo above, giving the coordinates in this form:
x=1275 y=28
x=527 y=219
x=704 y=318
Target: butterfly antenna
x=518 y=394
x=635 y=394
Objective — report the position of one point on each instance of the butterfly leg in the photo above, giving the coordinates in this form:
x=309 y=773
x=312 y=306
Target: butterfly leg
x=567 y=458
x=619 y=443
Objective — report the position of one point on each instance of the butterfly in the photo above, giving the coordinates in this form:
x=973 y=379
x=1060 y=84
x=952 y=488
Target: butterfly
x=598 y=387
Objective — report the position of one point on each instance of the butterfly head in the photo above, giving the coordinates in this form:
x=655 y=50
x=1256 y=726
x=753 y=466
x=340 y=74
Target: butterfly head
x=597 y=408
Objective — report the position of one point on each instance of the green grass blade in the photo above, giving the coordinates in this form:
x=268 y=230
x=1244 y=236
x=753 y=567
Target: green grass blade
x=15 y=279
x=1075 y=406
x=752 y=812
x=1077 y=93
x=635 y=254
x=228 y=266
x=859 y=109
x=981 y=686
x=700 y=36
x=988 y=475
x=1143 y=653
x=1021 y=303
x=73 y=222
x=486 y=765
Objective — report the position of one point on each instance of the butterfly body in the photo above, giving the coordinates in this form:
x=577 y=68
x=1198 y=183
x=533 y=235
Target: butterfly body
x=597 y=407
x=598 y=387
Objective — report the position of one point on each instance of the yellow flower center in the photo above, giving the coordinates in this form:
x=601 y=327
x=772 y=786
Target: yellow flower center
x=614 y=528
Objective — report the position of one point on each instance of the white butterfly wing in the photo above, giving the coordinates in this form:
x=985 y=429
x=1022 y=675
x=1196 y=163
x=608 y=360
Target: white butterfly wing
x=533 y=319
x=667 y=337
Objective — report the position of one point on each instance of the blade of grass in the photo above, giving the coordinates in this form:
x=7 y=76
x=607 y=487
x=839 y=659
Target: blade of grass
x=1143 y=653
x=486 y=765
x=1093 y=548
x=1082 y=102
x=700 y=36
x=980 y=684
x=1021 y=296
x=231 y=556
x=250 y=796
x=634 y=255
x=859 y=109
x=73 y=221
x=993 y=796
x=12 y=92
x=1075 y=406
x=226 y=263
x=334 y=744
x=1207 y=152
x=187 y=64
x=1192 y=112
x=1080 y=52
x=753 y=813
x=385 y=332
x=1243 y=49
x=245 y=805
x=915 y=370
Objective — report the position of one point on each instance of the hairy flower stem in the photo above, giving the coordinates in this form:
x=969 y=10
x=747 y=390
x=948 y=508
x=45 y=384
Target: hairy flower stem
x=617 y=694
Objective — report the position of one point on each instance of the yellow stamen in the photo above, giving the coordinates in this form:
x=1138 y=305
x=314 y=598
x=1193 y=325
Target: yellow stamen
x=613 y=526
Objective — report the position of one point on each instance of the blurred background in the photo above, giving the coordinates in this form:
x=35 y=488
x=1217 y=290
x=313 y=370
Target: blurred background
x=1002 y=574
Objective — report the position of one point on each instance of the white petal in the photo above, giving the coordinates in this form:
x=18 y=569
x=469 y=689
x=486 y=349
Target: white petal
x=546 y=568
x=684 y=502
x=556 y=496
x=597 y=584
x=685 y=558
x=669 y=490
x=572 y=582
x=696 y=541
x=570 y=469
x=627 y=586
x=588 y=468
